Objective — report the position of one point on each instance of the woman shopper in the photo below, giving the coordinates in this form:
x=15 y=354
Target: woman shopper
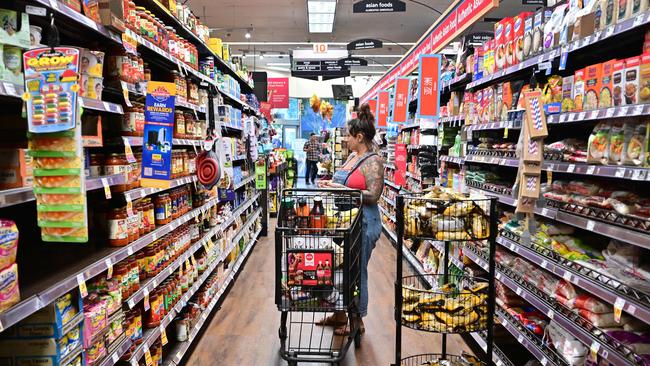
x=364 y=170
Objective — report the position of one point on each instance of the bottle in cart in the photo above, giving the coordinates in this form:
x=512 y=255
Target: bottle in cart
x=318 y=218
x=320 y=273
x=289 y=219
x=327 y=273
x=302 y=214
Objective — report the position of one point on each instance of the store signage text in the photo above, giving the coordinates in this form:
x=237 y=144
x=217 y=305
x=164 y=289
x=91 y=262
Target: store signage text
x=352 y=61
x=379 y=6
x=365 y=44
x=400 y=104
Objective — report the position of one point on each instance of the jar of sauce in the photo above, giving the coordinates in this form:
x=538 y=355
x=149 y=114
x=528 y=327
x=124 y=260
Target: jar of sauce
x=142 y=265
x=117 y=164
x=96 y=165
x=155 y=313
x=163 y=209
x=118 y=229
x=179 y=125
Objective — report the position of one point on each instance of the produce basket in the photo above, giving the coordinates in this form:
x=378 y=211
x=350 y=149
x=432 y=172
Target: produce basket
x=457 y=306
x=436 y=359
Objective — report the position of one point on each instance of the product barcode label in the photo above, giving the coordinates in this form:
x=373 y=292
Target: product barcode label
x=109 y=268
x=571 y=168
x=590 y=169
x=590 y=225
x=619 y=304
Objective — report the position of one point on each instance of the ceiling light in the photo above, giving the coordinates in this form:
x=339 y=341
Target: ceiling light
x=247 y=35
x=321 y=6
x=320 y=28
x=243 y=56
x=261 y=56
x=321 y=18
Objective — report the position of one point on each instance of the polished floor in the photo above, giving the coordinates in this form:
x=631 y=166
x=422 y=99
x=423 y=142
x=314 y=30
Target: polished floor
x=244 y=332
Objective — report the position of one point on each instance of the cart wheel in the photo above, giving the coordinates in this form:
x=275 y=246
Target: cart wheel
x=293 y=363
x=357 y=340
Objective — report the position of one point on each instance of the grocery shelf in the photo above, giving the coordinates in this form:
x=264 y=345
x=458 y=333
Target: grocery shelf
x=183 y=68
x=101 y=106
x=8 y=89
x=138 y=141
x=241 y=104
x=114 y=357
x=413 y=175
x=490 y=126
x=391 y=235
x=440 y=246
x=388 y=214
x=190 y=106
x=15 y=196
x=514 y=163
x=391 y=184
x=609 y=289
x=456 y=81
x=388 y=200
x=611 y=31
x=612 y=112
x=453 y=121
x=452 y=159
x=530 y=341
x=177 y=353
x=580 y=328
x=417 y=265
x=244 y=182
x=137 y=193
x=498 y=357
x=68 y=17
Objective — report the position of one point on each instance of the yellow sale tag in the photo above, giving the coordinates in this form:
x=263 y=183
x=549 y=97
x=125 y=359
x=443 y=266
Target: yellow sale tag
x=129 y=208
x=163 y=336
x=147 y=306
x=505 y=133
x=210 y=243
x=187 y=264
x=125 y=93
x=107 y=189
x=193 y=260
x=549 y=177
x=619 y=304
x=128 y=151
x=109 y=269
x=593 y=352
x=147 y=357
x=82 y=285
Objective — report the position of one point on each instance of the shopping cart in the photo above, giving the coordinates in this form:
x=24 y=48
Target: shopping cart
x=317 y=251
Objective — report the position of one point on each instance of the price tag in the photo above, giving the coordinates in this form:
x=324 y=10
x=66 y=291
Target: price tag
x=543 y=264
x=590 y=169
x=505 y=132
x=593 y=351
x=193 y=260
x=637 y=174
x=638 y=20
x=131 y=304
x=81 y=281
x=594 y=114
x=518 y=291
x=129 y=251
x=591 y=225
x=107 y=188
x=115 y=357
x=129 y=208
x=619 y=304
x=622 y=111
x=571 y=168
x=109 y=268
x=128 y=151
x=545 y=212
x=520 y=338
x=125 y=93
x=609 y=31
x=638 y=110
x=147 y=356
x=147 y=306
x=163 y=335
x=581 y=116
x=563 y=118
x=10 y=89
x=498 y=275
x=620 y=173
x=154 y=236
x=550 y=314
x=567 y=276
x=544 y=361
x=572 y=117
x=187 y=264
x=54 y=4
x=610 y=112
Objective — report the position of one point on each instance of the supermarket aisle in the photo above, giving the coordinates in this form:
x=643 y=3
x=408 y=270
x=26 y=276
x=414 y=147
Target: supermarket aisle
x=245 y=330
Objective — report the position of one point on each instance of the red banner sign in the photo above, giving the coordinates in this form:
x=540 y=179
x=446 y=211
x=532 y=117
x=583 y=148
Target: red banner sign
x=382 y=108
x=372 y=103
x=429 y=81
x=265 y=109
x=278 y=92
x=400 y=105
x=400 y=164
x=465 y=13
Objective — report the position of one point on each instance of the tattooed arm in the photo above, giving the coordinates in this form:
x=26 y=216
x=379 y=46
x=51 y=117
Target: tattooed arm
x=373 y=171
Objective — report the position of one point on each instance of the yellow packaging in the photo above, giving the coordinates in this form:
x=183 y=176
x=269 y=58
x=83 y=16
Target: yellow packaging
x=226 y=52
x=216 y=45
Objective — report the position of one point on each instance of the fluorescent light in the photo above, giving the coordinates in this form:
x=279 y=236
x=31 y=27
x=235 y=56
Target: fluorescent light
x=247 y=35
x=322 y=6
x=320 y=28
x=279 y=64
x=321 y=18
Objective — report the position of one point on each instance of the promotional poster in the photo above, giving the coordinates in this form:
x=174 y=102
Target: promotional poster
x=158 y=134
x=429 y=82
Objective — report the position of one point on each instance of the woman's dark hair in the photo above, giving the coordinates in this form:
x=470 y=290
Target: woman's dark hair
x=363 y=124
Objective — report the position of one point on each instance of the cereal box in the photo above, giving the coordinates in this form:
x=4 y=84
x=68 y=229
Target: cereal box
x=609 y=13
x=631 y=90
x=606 y=85
x=593 y=76
x=519 y=33
x=579 y=89
x=622 y=10
x=528 y=36
x=509 y=36
x=618 y=82
x=500 y=44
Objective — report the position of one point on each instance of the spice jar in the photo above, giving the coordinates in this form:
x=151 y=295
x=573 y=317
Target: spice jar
x=118 y=230
x=163 y=209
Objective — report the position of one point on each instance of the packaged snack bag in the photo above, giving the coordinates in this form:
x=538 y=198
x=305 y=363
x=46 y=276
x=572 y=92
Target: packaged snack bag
x=593 y=76
x=636 y=148
x=597 y=149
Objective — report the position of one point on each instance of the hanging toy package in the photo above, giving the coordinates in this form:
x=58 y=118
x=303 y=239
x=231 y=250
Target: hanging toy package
x=55 y=144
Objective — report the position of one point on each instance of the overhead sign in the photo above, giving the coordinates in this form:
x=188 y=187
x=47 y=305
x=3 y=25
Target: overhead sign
x=278 y=92
x=479 y=37
x=383 y=98
x=400 y=103
x=330 y=69
x=372 y=103
x=379 y=6
x=429 y=82
x=320 y=48
x=446 y=28
x=365 y=44
x=327 y=55
x=352 y=61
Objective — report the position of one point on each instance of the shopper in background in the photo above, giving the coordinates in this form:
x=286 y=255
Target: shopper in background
x=312 y=148
x=364 y=170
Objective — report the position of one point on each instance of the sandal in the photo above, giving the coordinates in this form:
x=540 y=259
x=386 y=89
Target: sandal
x=333 y=320
x=342 y=330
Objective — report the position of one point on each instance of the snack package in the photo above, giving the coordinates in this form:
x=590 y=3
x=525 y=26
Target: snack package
x=593 y=76
x=617 y=143
x=509 y=35
x=597 y=149
x=8 y=243
x=636 y=148
x=644 y=79
x=618 y=83
x=567 y=94
x=631 y=91
x=519 y=32
x=579 y=89
x=606 y=84
x=553 y=27
x=9 y=290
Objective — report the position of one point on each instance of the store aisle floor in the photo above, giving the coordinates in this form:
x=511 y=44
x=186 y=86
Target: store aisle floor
x=244 y=332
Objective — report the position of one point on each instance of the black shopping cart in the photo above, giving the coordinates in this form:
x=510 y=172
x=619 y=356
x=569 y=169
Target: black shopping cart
x=317 y=251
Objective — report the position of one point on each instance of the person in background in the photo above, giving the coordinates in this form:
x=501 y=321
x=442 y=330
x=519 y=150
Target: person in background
x=312 y=148
x=364 y=170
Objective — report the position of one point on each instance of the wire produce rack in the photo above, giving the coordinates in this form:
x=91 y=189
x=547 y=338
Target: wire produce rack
x=317 y=247
x=444 y=303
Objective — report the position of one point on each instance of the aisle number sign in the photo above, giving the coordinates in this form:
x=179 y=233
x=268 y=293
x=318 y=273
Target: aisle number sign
x=401 y=100
x=383 y=99
x=429 y=82
x=320 y=48
x=158 y=133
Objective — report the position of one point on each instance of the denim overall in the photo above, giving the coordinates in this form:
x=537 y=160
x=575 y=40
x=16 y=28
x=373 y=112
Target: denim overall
x=371 y=230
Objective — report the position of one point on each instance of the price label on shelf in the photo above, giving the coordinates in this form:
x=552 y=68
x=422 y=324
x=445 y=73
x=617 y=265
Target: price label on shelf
x=638 y=20
x=115 y=357
x=109 y=268
x=610 y=112
x=81 y=281
x=581 y=116
x=571 y=168
x=620 y=172
x=518 y=291
x=163 y=335
x=54 y=4
x=147 y=356
x=544 y=361
x=520 y=338
x=147 y=305
x=543 y=264
x=594 y=114
x=609 y=31
x=591 y=225
x=638 y=174
x=622 y=111
x=567 y=276
x=638 y=110
x=128 y=151
x=129 y=208
x=550 y=314
x=619 y=304
x=129 y=251
x=107 y=188
x=590 y=169
x=125 y=93
x=593 y=351
x=498 y=275
x=10 y=89
x=572 y=117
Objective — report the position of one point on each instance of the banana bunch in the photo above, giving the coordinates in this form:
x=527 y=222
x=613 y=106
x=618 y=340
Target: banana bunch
x=340 y=219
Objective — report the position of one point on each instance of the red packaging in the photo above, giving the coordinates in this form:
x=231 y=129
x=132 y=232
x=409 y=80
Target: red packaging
x=519 y=32
x=509 y=38
x=500 y=44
